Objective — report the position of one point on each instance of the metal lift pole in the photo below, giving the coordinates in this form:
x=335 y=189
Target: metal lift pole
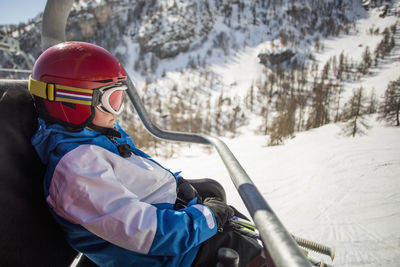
x=279 y=243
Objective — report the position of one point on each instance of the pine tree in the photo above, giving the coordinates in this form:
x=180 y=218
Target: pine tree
x=283 y=125
x=338 y=98
x=390 y=108
x=341 y=67
x=271 y=81
x=233 y=123
x=207 y=124
x=317 y=44
x=318 y=109
x=334 y=66
x=354 y=112
x=153 y=63
x=250 y=98
x=301 y=78
x=301 y=102
x=372 y=102
x=218 y=116
x=329 y=95
x=366 y=61
x=325 y=71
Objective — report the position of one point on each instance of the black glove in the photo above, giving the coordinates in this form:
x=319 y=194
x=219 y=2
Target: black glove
x=221 y=210
x=185 y=193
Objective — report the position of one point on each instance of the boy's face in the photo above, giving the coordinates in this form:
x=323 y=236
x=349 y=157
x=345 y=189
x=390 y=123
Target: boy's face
x=104 y=119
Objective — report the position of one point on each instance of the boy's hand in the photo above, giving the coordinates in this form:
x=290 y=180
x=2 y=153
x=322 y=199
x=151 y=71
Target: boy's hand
x=222 y=212
x=186 y=193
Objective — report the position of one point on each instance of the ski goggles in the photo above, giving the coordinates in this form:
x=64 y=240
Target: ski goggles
x=108 y=98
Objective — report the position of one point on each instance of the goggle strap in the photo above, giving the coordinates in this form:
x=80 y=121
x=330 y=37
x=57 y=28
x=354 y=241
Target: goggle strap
x=62 y=93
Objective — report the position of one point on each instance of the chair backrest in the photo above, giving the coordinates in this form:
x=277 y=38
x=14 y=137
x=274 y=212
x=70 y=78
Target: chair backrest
x=28 y=234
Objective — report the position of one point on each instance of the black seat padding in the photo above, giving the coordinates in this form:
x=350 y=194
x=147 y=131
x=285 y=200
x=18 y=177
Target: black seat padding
x=29 y=235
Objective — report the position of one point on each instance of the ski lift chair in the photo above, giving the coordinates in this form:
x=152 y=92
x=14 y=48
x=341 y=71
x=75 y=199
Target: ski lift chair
x=29 y=235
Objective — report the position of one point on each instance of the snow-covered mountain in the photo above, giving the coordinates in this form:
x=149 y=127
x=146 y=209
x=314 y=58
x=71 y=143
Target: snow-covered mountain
x=211 y=65
x=169 y=28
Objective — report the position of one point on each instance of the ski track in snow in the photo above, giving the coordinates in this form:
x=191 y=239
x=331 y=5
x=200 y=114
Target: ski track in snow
x=339 y=191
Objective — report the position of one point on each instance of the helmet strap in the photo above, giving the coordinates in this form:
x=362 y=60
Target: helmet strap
x=104 y=130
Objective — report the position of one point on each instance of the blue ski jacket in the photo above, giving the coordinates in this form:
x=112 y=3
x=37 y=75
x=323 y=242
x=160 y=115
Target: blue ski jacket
x=117 y=211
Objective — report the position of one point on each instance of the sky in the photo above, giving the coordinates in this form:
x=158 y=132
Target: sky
x=16 y=11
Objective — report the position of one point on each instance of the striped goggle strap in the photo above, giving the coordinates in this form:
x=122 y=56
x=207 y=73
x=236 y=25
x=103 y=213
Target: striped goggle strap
x=62 y=93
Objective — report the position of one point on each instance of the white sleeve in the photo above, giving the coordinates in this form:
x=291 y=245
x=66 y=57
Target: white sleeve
x=84 y=190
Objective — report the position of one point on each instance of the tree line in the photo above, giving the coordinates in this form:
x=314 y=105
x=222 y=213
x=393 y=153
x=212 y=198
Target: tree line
x=185 y=109
x=306 y=97
x=288 y=100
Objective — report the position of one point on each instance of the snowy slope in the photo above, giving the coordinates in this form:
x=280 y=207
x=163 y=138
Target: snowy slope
x=343 y=192
x=339 y=191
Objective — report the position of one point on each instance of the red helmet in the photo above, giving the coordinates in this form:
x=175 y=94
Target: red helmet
x=65 y=79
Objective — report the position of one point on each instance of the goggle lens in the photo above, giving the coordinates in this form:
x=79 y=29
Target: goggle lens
x=115 y=99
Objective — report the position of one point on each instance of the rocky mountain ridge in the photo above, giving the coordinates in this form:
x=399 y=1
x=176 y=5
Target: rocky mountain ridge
x=169 y=28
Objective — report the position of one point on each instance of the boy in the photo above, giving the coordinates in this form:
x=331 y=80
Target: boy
x=115 y=204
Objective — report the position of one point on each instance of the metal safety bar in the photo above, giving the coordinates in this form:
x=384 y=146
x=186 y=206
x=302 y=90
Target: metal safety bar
x=282 y=248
